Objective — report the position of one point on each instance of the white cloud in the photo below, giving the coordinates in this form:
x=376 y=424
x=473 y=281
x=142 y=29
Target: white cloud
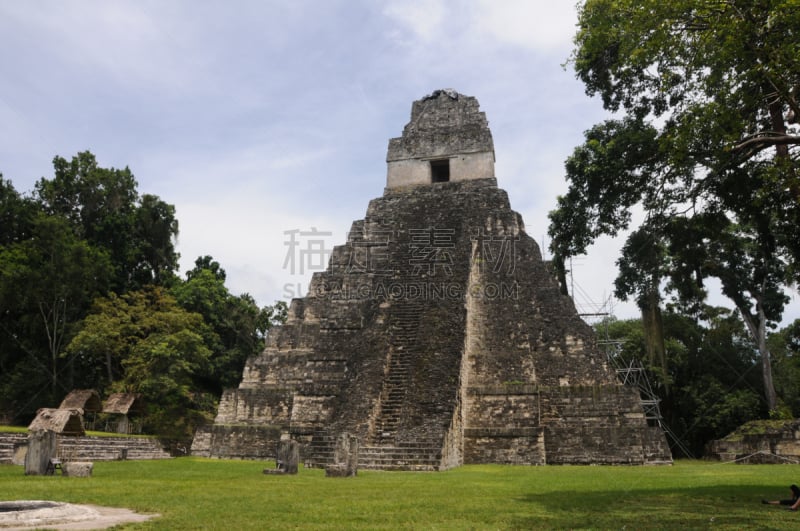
x=532 y=24
x=114 y=41
x=272 y=116
x=247 y=234
x=416 y=19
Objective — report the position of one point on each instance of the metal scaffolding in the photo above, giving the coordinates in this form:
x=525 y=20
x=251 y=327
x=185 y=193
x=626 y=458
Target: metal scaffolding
x=633 y=373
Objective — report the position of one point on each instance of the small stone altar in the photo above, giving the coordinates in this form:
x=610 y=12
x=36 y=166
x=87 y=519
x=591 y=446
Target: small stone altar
x=42 y=514
x=77 y=469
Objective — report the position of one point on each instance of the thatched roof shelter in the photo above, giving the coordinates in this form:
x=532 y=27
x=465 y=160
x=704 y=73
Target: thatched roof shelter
x=124 y=404
x=86 y=399
x=63 y=421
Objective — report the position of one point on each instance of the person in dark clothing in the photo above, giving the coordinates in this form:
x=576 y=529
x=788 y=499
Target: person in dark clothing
x=793 y=503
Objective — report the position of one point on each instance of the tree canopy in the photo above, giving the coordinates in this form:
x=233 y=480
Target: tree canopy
x=89 y=298
x=149 y=345
x=710 y=383
x=239 y=325
x=104 y=208
x=704 y=141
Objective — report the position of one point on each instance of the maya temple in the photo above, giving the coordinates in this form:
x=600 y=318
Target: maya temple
x=437 y=336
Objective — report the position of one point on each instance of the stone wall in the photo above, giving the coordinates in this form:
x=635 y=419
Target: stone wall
x=13 y=448
x=236 y=442
x=444 y=126
x=417 y=172
x=765 y=441
x=601 y=424
x=504 y=425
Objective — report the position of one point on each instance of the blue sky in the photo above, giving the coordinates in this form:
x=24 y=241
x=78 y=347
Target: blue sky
x=256 y=118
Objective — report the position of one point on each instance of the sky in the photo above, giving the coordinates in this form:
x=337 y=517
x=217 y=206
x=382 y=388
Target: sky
x=263 y=121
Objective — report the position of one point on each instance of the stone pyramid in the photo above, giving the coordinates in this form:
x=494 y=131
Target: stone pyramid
x=437 y=335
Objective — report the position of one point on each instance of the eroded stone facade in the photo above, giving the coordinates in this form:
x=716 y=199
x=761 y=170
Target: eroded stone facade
x=447 y=139
x=437 y=335
x=759 y=442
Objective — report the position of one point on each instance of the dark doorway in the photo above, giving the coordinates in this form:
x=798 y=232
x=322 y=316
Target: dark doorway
x=440 y=171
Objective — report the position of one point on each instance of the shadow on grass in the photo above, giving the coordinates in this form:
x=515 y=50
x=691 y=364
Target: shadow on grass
x=735 y=507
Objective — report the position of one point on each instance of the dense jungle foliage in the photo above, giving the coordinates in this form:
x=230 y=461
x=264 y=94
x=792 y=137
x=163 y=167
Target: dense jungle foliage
x=90 y=299
x=704 y=147
x=711 y=383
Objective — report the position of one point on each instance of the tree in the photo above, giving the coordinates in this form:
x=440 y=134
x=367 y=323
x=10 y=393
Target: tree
x=271 y=316
x=238 y=323
x=706 y=145
x=16 y=214
x=149 y=345
x=785 y=346
x=47 y=282
x=711 y=384
x=80 y=234
x=104 y=208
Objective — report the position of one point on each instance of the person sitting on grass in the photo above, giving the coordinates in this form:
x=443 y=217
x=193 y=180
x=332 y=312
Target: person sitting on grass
x=793 y=503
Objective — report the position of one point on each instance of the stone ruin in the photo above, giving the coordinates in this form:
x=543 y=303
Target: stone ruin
x=345 y=457
x=437 y=336
x=286 y=459
x=759 y=442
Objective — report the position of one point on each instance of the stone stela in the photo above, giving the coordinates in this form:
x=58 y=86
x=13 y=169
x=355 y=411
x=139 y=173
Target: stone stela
x=437 y=336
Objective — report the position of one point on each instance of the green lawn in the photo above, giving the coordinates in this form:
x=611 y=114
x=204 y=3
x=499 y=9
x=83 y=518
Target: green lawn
x=193 y=493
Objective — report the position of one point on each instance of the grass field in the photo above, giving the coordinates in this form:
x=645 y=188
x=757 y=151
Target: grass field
x=193 y=493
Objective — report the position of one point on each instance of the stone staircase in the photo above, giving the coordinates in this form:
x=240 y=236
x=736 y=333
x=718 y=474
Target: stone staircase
x=403 y=340
x=88 y=448
x=111 y=448
x=319 y=452
x=8 y=441
x=411 y=456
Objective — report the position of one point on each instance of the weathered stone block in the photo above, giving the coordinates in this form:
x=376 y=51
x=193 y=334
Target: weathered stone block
x=78 y=469
x=288 y=457
x=41 y=449
x=20 y=451
x=337 y=471
x=345 y=457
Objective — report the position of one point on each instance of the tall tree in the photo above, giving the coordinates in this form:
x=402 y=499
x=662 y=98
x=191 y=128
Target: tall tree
x=47 y=283
x=785 y=345
x=239 y=324
x=104 y=207
x=150 y=345
x=16 y=214
x=706 y=146
x=711 y=383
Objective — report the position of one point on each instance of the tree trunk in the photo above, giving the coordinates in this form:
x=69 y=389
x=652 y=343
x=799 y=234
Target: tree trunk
x=561 y=274
x=50 y=318
x=108 y=367
x=653 y=326
x=758 y=329
x=782 y=152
